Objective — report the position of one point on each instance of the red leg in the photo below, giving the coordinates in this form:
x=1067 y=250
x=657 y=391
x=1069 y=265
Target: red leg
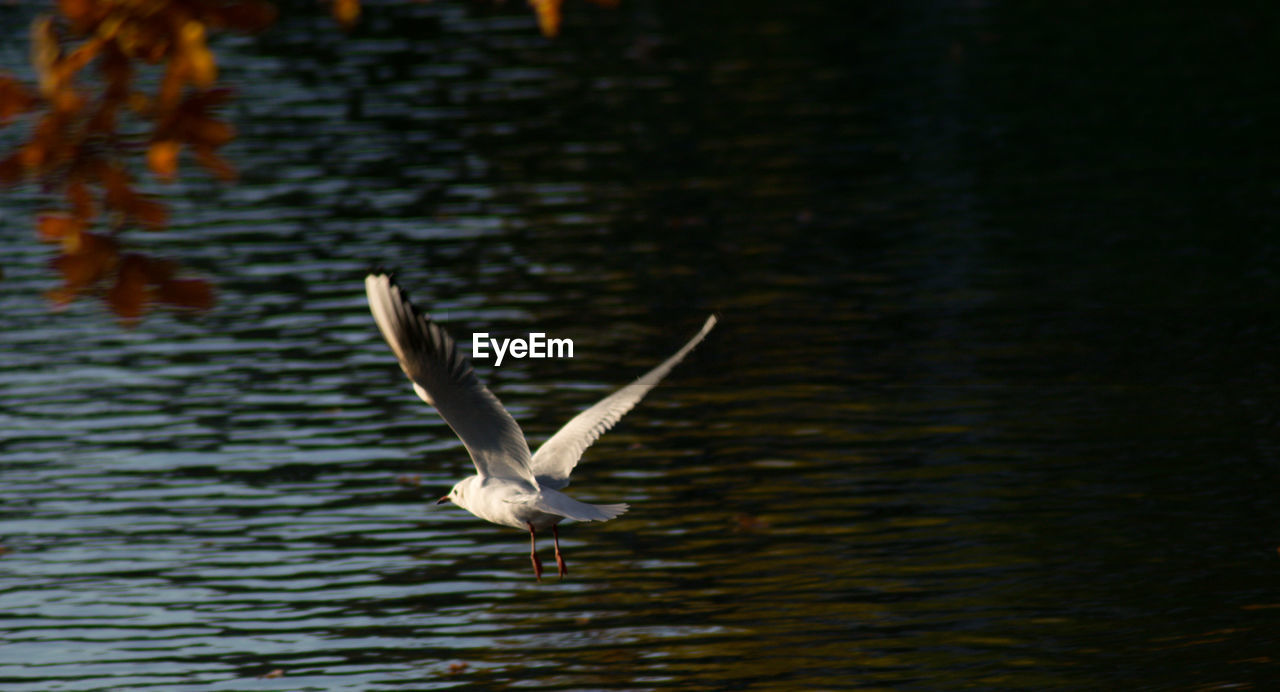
x=533 y=552
x=555 y=531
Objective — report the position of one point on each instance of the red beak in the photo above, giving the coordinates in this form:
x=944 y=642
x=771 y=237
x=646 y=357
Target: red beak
x=442 y=500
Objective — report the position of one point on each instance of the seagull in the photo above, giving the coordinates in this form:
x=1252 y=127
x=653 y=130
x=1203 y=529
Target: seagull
x=511 y=487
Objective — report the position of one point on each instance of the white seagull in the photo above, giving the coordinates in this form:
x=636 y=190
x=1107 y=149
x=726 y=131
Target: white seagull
x=511 y=487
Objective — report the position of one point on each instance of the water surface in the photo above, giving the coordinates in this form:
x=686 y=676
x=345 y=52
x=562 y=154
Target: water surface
x=991 y=403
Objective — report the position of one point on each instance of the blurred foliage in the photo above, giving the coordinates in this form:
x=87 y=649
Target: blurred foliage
x=89 y=119
x=548 y=12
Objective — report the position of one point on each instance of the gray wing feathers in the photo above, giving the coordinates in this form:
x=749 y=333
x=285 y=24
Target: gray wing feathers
x=555 y=459
x=443 y=377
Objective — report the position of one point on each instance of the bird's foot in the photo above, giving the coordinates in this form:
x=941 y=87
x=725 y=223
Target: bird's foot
x=533 y=551
x=555 y=531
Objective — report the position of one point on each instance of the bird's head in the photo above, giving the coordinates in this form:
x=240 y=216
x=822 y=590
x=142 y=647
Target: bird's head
x=458 y=495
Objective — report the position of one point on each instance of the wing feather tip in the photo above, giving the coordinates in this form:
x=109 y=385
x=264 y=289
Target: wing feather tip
x=612 y=511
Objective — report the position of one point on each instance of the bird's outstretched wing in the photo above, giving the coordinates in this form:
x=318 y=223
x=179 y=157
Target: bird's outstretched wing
x=443 y=377
x=555 y=459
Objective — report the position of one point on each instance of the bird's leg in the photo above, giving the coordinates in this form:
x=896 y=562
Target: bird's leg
x=555 y=531
x=533 y=551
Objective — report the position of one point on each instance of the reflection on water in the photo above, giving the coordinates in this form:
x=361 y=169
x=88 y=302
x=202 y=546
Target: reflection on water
x=962 y=423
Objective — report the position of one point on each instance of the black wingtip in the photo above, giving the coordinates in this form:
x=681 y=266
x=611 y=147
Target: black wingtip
x=381 y=270
x=378 y=270
x=404 y=294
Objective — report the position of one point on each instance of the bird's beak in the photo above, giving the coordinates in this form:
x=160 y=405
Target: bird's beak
x=442 y=500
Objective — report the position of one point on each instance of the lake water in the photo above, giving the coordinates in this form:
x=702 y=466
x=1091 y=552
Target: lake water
x=992 y=403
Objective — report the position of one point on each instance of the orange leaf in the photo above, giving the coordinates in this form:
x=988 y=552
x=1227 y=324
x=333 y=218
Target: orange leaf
x=81 y=200
x=116 y=183
x=104 y=118
x=14 y=98
x=77 y=270
x=171 y=85
x=548 y=12
x=250 y=16
x=84 y=243
x=346 y=12
x=11 y=169
x=151 y=214
x=147 y=39
x=215 y=164
x=45 y=51
x=128 y=297
x=55 y=228
x=118 y=191
x=32 y=155
x=162 y=158
x=209 y=132
x=67 y=100
x=201 y=66
x=192 y=294
x=61 y=296
x=76 y=10
x=80 y=57
x=85 y=267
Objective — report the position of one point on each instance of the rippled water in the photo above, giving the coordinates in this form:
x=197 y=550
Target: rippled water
x=991 y=404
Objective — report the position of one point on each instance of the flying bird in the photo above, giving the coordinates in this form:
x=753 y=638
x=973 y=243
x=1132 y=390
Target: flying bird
x=512 y=487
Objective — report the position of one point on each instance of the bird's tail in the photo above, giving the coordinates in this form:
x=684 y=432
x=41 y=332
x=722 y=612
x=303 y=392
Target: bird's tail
x=607 y=512
x=556 y=502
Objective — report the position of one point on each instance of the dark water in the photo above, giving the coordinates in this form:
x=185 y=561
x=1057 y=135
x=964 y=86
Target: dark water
x=992 y=403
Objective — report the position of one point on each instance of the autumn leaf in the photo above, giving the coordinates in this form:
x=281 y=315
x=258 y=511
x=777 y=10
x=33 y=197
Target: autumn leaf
x=548 y=12
x=215 y=164
x=32 y=156
x=103 y=249
x=76 y=148
x=115 y=183
x=549 y=15
x=80 y=199
x=150 y=214
x=205 y=131
x=92 y=260
x=14 y=99
x=202 y=69
x=249 y=16
x=45 y=51
x=127 y=298
x=346 y=12
x=48 y=144
x=77 y=11
x=190 y=294
x=162 y=158
x=61 y=297
x=77 y=59
x=11 y=169
x=53 y=228
x=171 y=85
